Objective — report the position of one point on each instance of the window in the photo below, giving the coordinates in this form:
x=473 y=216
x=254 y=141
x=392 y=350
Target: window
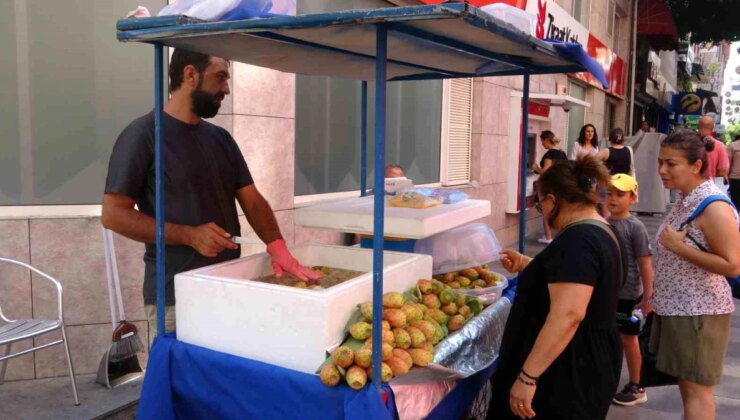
x=328 y=133
x=457 y=117
x=68 y=89
x=582 y=11
x=610 y=18
x=575 y=116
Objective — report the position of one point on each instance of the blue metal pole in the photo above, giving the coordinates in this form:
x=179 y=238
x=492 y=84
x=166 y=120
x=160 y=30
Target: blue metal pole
x=523 y=169
x=159 y=183
x=380 y=76
x=363 y=140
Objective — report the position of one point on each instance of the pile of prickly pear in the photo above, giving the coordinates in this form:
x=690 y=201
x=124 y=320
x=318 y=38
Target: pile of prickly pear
x=477 y=277
x=412 y=324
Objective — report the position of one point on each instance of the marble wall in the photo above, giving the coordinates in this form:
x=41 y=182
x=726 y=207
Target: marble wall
x=260 y=114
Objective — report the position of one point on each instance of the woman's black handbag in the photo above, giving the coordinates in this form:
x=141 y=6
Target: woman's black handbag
x=649 y=374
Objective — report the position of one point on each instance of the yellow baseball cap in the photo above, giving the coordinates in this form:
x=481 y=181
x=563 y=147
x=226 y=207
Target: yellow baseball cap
x=624 y=182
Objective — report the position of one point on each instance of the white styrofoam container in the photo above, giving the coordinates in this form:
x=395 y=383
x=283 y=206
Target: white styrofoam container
x=219 y=308
x=355 y=215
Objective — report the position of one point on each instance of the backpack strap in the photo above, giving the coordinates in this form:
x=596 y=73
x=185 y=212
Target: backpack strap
x=704 y=203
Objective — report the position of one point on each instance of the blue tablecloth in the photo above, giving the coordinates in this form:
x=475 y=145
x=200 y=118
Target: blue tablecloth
x=187 y=381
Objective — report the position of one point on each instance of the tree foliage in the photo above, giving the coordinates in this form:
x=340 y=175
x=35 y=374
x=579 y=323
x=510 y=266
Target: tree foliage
x=707 y=20
x=730 y=133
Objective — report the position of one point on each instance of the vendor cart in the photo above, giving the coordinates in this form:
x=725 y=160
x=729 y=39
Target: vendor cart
x=453 y=40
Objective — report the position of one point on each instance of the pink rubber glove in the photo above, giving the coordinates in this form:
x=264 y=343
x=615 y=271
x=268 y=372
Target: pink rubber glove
x=283 y=261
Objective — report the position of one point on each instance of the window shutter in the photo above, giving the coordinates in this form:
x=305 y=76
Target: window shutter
x=457 y=117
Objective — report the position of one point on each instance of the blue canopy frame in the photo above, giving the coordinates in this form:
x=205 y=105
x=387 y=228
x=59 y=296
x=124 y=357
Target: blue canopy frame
x=431 y=42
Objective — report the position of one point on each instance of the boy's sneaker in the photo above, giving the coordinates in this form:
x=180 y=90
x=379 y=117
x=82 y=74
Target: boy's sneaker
x=631 y=394
x=544 y=240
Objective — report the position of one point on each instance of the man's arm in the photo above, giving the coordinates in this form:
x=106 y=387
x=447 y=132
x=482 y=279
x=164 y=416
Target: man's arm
x=260 y=217
x=119 y=215
x=259 y=214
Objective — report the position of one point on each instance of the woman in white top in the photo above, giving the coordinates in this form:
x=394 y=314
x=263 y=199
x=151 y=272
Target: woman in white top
x=691 y=298
x=587 y=144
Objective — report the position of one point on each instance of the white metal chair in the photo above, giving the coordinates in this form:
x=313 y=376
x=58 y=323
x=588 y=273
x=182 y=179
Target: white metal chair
x=24 y=329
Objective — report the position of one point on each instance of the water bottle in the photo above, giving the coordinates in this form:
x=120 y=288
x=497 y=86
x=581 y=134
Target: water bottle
x=638 y=318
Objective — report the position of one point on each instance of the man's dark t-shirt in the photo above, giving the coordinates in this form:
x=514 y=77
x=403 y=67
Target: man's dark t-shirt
x=203 y=169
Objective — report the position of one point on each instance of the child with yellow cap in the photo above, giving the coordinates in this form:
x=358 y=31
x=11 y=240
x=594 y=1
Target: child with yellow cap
x=638 y=287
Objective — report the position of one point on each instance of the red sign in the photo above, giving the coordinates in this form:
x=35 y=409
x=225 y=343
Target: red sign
x=540 y=110
x=614 y=67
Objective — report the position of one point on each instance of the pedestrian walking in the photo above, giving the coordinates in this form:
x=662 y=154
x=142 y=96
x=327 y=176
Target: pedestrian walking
x=587 y=143
x=560 y=354
x=733 y=154
x=718 y=164
x=618 y=158
x=553 y=154
x=638 y=287
x=692 y=299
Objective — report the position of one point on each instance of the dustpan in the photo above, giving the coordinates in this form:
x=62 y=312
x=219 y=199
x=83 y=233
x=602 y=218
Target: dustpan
x=112 y=374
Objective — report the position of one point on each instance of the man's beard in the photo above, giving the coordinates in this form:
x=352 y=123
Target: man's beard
x=205 y=105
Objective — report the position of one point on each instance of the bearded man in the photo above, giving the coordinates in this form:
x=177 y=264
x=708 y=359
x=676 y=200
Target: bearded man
x=204 y=173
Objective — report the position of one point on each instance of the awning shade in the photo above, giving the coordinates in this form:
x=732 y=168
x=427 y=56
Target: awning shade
x=424 y=42
x=655 y=22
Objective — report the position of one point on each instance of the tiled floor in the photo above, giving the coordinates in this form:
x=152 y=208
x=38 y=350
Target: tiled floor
x=52 y=399
x=664 y=403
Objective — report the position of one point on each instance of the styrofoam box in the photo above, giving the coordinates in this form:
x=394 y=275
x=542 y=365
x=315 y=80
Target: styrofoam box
x=219 y=308
x=355 y=215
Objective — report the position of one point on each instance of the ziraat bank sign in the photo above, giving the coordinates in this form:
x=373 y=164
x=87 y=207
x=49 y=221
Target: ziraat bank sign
x=553 y=22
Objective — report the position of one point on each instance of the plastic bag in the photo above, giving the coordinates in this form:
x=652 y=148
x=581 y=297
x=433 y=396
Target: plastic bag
x=249 y=9
x=139 y=12
x=229 y=9
x=209 y=9
x=460 y=248
x=447 y=196
x=413 y=200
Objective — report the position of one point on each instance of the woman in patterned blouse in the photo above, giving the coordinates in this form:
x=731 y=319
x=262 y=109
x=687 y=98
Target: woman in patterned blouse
x=692 y=300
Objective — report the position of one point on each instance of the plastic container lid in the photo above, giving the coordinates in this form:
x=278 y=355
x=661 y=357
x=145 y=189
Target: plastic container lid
x=487 y=295
x=460 y=248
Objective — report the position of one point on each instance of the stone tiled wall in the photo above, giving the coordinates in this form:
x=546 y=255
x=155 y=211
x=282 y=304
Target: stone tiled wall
x=260 y=114
x=490 y=147
x=71 y=251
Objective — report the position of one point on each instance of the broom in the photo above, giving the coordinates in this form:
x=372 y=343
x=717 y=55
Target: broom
x=125 y=341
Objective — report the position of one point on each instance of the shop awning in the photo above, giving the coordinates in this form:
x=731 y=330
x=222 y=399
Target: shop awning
x=425 y=42
x=655 y=22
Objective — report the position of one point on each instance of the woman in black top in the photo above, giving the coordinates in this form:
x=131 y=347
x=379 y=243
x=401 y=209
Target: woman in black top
x=553 y=154
x=617 y=158
x=561 y=355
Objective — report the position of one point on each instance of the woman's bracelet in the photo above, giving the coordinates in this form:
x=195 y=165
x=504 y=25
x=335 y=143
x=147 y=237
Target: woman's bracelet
x=525 y=382
x=534 y=378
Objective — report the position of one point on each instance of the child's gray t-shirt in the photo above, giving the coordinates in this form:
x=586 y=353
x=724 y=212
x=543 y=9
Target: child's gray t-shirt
x=635 y=242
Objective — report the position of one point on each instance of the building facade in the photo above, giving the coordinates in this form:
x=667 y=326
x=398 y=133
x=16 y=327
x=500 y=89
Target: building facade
x=299 y=135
